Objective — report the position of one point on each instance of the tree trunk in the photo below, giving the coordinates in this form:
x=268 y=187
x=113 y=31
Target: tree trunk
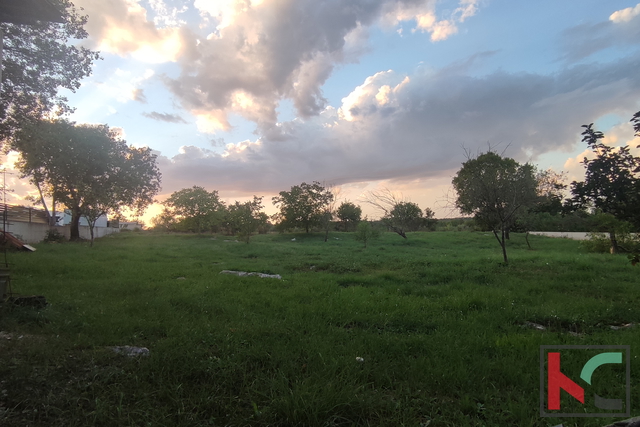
x=506 y=233
x=75 y=224
x=44 y=204
x=91 y=225
x=53 y=211
x=400 y=231
x=526 y=237
x=614 y=242
x=502 y=245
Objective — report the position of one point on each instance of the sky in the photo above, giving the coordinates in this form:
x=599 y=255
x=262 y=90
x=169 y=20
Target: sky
x=251 y=97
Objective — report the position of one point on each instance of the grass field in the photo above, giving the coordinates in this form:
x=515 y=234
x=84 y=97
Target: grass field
x=439 y=322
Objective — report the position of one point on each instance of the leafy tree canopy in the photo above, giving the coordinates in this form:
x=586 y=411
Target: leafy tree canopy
x=405 y=215
x=612 y=180
x=87 y=168
x=349 y=215
x=198 y=207
x=303 y=206
x=38 y=60
x=245 y=218
x=496 y=190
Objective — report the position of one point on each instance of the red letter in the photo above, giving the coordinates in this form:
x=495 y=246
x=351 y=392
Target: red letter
x=557 y=380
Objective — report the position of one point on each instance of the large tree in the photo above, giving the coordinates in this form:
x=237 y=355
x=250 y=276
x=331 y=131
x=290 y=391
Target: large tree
x=406 y=215
x=245 y=219
x=37 y=61
x=87 y=168
x=303 y=206
x=198 y=208
x=349 y=215
x=612 y=180
x=496 y=190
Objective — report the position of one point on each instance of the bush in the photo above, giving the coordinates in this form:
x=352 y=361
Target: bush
x=366 y=232
x=600 y=242
x=457 y=224
x=54 y=236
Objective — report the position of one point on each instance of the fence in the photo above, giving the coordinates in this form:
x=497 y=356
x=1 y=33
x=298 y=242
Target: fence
x=31 y=225
x=23 y=214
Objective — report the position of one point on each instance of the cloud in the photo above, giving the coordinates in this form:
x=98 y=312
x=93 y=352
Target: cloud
x=425 y=16
x=138 y=95
x=122 y=27
x=399 y=127
x=164 y=117
x=621 y=29
x=261 y=52
x=244 y=56
x=625 y=15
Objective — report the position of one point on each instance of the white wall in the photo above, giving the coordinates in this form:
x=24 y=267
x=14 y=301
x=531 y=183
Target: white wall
x=66 y=220
x=35 y=233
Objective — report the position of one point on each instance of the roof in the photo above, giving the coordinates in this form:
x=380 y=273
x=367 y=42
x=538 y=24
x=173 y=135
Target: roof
x=29 y=11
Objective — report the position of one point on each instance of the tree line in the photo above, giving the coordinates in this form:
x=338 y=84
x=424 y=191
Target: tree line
x=307 y=207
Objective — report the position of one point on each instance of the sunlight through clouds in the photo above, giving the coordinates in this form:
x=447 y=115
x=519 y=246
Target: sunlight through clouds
x=305 y=90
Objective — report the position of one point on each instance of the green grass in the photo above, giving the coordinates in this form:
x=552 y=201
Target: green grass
x=437 y=319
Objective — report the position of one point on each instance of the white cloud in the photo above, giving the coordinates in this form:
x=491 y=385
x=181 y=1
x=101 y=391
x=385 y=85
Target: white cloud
x=273 y=50
x=625 y=15
x=165 y=15
x=122 y=27
x=263 y=51
x=425 y=16
x=442 y=30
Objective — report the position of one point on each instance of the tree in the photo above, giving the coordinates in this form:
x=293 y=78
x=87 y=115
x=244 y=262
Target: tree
x=549 y=188
x=496 y=190
x=349 y=215
x=245 y=218
x=612 y=183
x=165 y=221
x=429 y=219
x=303 y=206
x=406 y=215
x=635 y=257
x=87 y=168
x=37 y=62
x=329 y=210
x=365 y=232
x=398 y=214
x=198 y=208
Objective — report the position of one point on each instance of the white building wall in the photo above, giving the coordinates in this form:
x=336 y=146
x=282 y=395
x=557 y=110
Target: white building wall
x=66 y=220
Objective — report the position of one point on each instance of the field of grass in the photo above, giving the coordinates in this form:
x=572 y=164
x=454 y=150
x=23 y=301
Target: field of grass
x=439 y=322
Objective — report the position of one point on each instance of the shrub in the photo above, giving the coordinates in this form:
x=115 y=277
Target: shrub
x=366 y=232
x=54 y=236
x=601 y=243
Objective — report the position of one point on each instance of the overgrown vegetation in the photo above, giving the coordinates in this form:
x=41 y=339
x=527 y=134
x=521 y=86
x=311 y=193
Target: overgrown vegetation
x=439 y=323
x=54 y=236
